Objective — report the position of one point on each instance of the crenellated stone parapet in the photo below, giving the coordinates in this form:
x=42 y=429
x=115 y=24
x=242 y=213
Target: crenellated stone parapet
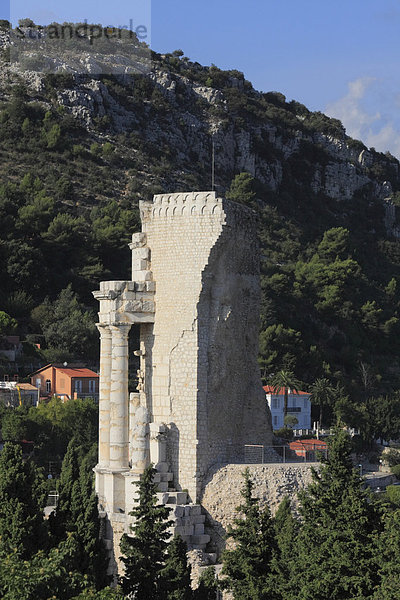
x=186 y=204
x=204 y=206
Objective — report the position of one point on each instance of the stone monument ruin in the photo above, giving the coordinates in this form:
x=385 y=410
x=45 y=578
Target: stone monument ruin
x=195 y=296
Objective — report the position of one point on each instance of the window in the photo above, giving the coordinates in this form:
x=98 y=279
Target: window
x=305 y=402
x=275 y=402
x=48 y=386
x=275 y=420
x=92 y=386
x=78 y=385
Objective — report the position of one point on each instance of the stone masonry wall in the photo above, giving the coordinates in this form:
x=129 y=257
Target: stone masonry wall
x=200 y=355
x=221 y=492
x=231 y=404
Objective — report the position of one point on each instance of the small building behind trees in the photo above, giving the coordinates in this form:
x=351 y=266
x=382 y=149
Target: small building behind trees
x=299 y=406
x=66 y=381
x=13 y=393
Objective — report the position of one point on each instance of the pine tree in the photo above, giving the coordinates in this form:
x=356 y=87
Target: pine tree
x=335 y=551
x=144 y=553
x=249 y=569
x=175 y=576
x=388 y=556
x=22 y=501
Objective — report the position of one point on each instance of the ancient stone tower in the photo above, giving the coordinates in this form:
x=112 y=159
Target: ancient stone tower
x=195 y=295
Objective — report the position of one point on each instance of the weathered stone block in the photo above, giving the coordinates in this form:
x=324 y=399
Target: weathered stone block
x=162 y=486
x=141 y=275
x=200 y=539
x=138 y=240
x=162 y=498
x=139 y=264
x=179 y=511
x=141 y=253
x=187 y=530
x=150 y=286
x=195 y=509
x=198 y=519
x=148 y=306
x=199 y=529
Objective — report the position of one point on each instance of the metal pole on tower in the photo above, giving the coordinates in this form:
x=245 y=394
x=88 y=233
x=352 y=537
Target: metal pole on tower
x=213 y=165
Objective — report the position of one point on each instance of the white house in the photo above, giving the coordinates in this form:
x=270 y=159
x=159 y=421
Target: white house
x=299 y=406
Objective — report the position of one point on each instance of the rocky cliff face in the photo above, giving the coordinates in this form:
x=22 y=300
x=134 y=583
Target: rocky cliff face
x=179 y=107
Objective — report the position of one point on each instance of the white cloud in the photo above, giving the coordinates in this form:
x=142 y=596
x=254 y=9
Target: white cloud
x=367 y=123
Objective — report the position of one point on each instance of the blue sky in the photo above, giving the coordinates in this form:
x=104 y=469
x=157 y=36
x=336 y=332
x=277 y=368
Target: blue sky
x=338 y=57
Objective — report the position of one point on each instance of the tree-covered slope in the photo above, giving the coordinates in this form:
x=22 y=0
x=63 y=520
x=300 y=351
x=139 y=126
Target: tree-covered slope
x=78 y=152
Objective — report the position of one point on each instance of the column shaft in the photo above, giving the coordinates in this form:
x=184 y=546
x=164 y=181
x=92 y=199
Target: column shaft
x=104 y=395
x=119 y=399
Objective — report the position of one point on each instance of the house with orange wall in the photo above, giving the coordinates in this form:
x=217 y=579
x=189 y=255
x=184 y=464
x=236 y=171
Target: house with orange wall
x=66 y=382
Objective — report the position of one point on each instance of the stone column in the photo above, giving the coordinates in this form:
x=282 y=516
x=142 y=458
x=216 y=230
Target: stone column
x=119 y=410
x=104 y=395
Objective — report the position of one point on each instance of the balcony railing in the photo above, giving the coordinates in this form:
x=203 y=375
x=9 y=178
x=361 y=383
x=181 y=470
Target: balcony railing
x=259 y=455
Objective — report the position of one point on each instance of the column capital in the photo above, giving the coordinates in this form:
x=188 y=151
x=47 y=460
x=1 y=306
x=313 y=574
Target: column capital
x=121 y=328
x=103 y=328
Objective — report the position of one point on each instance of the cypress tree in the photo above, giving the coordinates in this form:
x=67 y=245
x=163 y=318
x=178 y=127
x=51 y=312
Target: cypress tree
x=22 y=501
x=84 y=509
x=286 y=528
x=77 y=513
x=62 y=518
x=388 y=556
x=175 y=576
x=144 y=553
x=335 y=551
x=249 y=569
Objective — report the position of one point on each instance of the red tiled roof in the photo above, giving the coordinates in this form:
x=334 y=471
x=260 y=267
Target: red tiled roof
x=78 y=372
x=56 y=366
x=269 y=389
x=308 y=444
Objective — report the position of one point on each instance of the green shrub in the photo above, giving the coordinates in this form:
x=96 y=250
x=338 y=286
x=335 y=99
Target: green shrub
x=107 y=149
x=95 y=149
x=393 y=494
x=392 y=457
x=78 y=150
x=26 y=23
x=53 y=136
x=285 y=432
x=396 y=470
